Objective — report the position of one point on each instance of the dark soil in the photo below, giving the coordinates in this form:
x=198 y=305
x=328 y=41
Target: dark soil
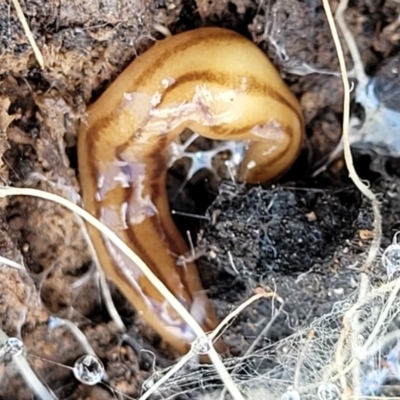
x=304 y=238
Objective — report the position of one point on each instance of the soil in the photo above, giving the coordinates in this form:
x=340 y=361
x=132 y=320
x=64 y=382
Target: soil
x=305 y=237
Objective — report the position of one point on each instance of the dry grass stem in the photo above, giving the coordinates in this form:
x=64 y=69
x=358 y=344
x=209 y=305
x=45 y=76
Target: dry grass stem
x=218 y=330
x=28 y=33
x=363 y=188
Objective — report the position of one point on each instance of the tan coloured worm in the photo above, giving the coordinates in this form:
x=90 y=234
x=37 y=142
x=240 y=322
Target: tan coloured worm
x=214 y=82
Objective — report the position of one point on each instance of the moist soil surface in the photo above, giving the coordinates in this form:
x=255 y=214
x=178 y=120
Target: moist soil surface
x=304 y=238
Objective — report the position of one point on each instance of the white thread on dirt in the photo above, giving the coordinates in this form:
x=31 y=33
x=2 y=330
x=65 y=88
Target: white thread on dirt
x=11 y=263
